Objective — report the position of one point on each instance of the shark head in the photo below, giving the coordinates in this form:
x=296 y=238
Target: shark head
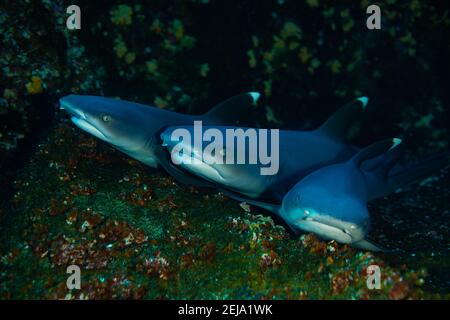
x=208 y=162
x=188 y=155
x=332 y=201
x=122 y=124
x=317 y=209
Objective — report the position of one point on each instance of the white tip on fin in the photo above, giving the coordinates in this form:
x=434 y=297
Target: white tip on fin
x=364 y=101
x=395 y=142
x=255 y=96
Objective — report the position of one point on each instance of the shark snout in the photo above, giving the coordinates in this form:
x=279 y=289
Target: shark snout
x=69 y=104
x=72 y=104
x=332 y=229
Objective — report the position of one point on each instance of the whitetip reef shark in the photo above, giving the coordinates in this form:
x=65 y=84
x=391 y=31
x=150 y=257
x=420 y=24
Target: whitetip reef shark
x=134 y=128
x=331 y=202
x=142 y=132
x=300 y=153
x=324 y=184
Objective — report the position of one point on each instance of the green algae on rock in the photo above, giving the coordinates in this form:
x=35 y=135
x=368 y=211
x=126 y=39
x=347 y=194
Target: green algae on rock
x=135 y=233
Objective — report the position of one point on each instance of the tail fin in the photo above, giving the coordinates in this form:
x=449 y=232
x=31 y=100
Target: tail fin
x=233 y=110
x=403 y=175
x=390 y=175
x=338 y=124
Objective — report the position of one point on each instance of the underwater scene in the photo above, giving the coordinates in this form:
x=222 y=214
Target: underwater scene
x=224 y=150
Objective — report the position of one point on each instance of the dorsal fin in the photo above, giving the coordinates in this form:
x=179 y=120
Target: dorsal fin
x=383 y=163
x=338 y=124
x=374 y=150
x=393 y=157
x=234 y=109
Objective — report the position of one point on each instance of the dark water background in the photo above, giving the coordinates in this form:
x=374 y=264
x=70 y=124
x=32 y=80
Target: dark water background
x=223 y=30
x=404 y=68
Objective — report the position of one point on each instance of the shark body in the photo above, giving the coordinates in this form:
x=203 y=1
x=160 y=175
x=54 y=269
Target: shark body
x=134 y=128
x=320 y=187
x=300 y=153
x=323 y=184
x=332 y=201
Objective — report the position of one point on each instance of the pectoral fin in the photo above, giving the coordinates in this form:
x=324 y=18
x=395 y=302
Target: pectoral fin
x=367 y=245
x=267 y=206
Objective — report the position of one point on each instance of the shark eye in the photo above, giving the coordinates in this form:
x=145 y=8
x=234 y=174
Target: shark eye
x=106 y=118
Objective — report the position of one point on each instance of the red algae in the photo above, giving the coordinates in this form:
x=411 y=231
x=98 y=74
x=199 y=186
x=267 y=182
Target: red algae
x=142 y=230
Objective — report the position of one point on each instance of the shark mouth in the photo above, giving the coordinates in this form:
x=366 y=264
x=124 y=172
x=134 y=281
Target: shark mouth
x=194 y=164
x=329 y=229
x=79 y=118
x=190 y=160
x=89 y=128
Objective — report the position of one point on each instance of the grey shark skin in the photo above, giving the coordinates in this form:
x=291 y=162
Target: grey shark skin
x=329 y=200
x=339 y=214
x=332 y=201
x=133 y=128
x=300 y=153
